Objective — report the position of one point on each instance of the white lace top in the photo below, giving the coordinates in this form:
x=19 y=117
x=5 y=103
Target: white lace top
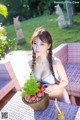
x=49 y=79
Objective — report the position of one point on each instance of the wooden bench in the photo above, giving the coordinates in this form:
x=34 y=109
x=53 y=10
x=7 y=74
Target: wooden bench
x=8 y=80
x=69 y=54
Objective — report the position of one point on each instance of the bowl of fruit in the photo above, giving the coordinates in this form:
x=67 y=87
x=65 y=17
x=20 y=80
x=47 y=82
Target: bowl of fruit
x=33 y=94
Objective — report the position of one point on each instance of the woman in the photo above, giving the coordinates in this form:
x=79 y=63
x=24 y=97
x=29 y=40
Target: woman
x=46 y=68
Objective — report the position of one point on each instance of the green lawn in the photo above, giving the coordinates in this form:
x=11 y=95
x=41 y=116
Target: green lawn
x=70 y=34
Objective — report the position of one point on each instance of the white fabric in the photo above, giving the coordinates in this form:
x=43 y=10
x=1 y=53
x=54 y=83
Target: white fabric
x=65 y=97
x=49 y=79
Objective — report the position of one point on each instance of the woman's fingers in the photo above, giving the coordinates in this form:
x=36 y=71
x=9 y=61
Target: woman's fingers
x=48 y=90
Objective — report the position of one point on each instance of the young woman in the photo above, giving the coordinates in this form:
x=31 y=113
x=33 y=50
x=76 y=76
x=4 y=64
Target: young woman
x=46 y=67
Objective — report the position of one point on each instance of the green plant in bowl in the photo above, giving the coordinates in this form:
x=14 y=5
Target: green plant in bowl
x=30 y=87
x=33 y=94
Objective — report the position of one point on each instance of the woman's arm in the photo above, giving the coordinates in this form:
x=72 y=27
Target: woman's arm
x=62 y=74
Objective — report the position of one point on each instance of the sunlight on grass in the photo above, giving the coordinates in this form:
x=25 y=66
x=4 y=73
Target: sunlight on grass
x=70 y=34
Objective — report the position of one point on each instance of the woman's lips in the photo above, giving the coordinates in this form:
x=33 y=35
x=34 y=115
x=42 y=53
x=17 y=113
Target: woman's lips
x=37 y=51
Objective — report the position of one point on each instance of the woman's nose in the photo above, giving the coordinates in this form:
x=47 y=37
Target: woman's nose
x=37 y=47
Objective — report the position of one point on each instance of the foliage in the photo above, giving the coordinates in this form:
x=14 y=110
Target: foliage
x=30 y=87
x=48 y=6
x=3 y=41
x=32 y=8
x=3 y=10
x=26 y=9
x=16 y=8
x=5 y=44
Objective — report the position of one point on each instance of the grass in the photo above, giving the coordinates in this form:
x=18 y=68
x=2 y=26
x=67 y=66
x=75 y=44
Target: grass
x=67 y=35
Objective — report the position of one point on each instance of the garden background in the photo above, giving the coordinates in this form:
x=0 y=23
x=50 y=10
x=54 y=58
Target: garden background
x=39 y=13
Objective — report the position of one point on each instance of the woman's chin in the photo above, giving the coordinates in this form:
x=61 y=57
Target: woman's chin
x=38 y=55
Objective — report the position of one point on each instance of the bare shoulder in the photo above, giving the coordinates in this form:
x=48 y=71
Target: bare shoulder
x=56 y=60
x=57 y=64
x=30 y=63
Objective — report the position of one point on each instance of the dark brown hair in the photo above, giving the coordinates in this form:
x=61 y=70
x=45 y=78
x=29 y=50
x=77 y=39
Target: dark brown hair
x=44 y=36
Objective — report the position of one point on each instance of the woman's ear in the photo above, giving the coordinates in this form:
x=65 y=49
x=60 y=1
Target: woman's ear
x=49 y=46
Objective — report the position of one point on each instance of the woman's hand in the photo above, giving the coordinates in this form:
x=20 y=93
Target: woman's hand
x=51 y=88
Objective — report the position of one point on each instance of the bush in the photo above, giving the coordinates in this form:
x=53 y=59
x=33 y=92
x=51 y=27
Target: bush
x=3 y=41
x=5 y=44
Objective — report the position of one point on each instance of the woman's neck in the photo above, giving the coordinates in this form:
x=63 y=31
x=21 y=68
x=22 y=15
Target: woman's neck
x=42 y=58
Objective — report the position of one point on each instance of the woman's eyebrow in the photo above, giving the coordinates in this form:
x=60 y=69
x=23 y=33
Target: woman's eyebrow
x=34 y=41
x=43 y=42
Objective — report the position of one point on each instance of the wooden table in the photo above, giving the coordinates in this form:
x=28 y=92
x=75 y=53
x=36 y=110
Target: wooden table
x=15 y=109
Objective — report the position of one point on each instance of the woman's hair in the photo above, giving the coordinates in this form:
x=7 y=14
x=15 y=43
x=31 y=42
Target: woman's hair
x=44 y=36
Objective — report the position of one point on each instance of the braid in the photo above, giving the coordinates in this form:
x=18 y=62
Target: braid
x=33 y=60
x=51 y=64
x=44 y=36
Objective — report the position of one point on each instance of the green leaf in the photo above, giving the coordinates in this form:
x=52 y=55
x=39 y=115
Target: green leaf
x=3 y=10
x=30 y=87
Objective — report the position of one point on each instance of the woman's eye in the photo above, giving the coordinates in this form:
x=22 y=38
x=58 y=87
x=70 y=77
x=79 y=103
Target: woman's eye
x=41 y=44
x=34 y=43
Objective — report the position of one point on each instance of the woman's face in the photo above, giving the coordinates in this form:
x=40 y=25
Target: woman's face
x=40 y=48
